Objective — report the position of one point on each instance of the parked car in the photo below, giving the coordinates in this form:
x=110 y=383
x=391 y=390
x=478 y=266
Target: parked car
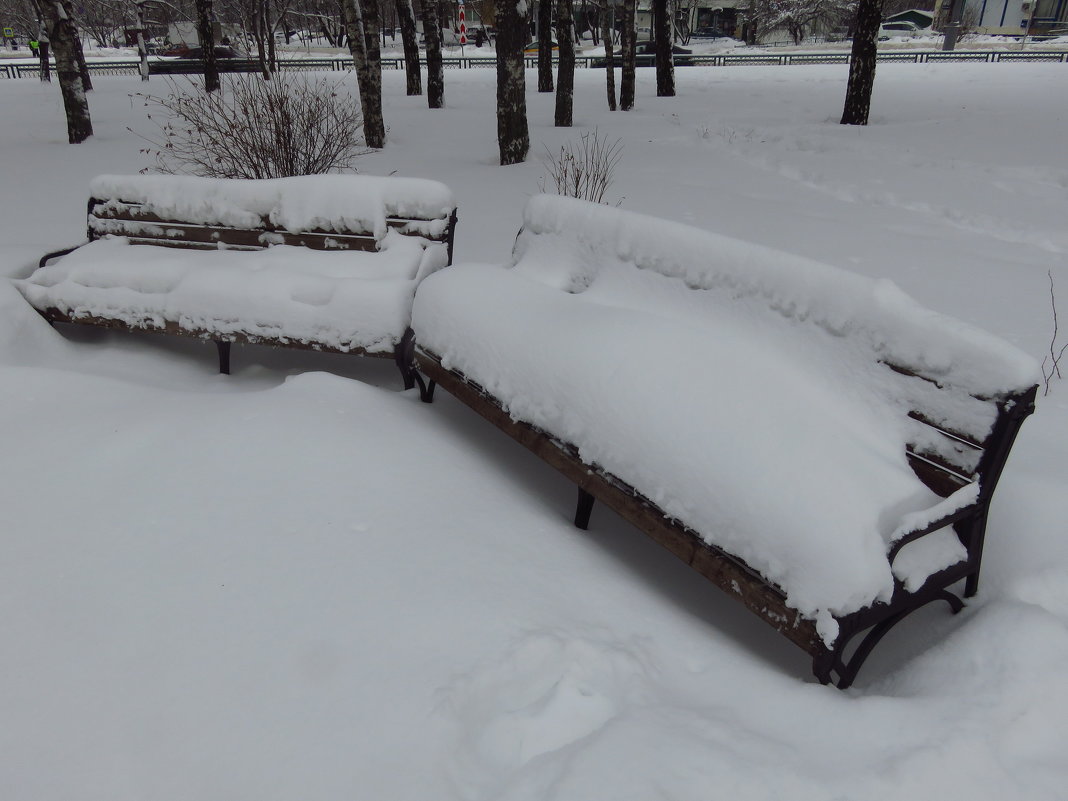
x=890 y=29
x=645 y=56
x=532 y=48
x=708 y=33
x=185 y=51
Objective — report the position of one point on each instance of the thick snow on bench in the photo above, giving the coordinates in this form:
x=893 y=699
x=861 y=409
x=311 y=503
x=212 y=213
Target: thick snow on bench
x=302 y=203
x=753 y=409
x=337 y=299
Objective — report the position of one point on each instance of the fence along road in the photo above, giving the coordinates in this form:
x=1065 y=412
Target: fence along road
x=33 y=70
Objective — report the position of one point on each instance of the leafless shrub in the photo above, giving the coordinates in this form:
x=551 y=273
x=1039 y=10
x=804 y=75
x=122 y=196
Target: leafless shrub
x=1051 y=364
x=289 y=125
x=584 y=170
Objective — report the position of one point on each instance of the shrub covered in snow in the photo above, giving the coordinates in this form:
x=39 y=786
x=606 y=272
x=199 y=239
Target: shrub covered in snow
x=289 y=125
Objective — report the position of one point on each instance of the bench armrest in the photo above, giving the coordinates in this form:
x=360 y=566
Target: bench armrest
x=55 y=254
x=957 y=506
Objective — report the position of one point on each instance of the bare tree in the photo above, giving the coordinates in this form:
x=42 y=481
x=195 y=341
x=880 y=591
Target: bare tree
x=435 y=72
x=545 y=45
x=406 y=17
x=206 y=34
x=609 y=52
x=797 y=17
x=665 y=67
x=628 y=45
x=513 y=136
x=862 y=62
x=565 y=77
x=61 y=33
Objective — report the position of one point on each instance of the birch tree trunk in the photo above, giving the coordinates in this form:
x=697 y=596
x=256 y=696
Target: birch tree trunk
x=862 y=62
x=60 y=28
x=565 y=76
x=609 y=51
x=79 y=53
x=628 y=45
x=435 y=72
x=545 y=45
x=362 y=30
x=513 y=136
x=412 y=74
x=665 y=66
x=207 y=43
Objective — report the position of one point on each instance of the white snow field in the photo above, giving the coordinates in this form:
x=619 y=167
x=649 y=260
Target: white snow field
x=299 y=582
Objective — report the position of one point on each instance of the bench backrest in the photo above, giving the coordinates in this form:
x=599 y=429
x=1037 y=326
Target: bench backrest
x=325 y=212
x=965 y=392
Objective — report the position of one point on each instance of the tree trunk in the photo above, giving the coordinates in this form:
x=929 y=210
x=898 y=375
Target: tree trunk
x=513 y=137
x=665 y=66
x=609 y=52
x=565 y=76
x=258 y=24
x=79 y=124
x=435 y=72
x=362 y=30
x=627 y=45
x=862 y=62
x=411 y=47
x=545 y=45
x=268 y=31
x=43 y=45
x=79 y=53
x=206 y=33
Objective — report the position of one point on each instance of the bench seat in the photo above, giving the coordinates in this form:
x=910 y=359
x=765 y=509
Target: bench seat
x=763 y=405
x=337 y=300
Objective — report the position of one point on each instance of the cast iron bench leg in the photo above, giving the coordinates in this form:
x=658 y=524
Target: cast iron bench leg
x=224 y=356
x=584 y=509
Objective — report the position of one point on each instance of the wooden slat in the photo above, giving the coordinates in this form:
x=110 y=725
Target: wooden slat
x=939 y=476
x=134 y=212
x=964 y=439
x=185 y=235
x=729 y=573
x=172 y=328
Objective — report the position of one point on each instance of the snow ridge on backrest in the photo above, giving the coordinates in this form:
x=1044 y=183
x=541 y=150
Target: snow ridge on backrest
x=342 y=203
x=566 y=243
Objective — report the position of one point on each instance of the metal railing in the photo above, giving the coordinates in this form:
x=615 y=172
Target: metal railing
x=339 y=64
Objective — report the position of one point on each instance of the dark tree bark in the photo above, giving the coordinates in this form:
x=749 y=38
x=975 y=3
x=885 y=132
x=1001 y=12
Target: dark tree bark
x=545 y=45
x=609 y=52
x=628 y=46
x=43 y=45
x=206 y=34
x=79 y=124
x=665 y=66
x=361 y=24
x=862 y=62
x=513 y=136
x=565 y=76
x=406 y=17
x=435 y=72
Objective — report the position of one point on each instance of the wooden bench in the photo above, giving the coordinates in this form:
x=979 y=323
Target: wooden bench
x=597 y=304
x=327 y=263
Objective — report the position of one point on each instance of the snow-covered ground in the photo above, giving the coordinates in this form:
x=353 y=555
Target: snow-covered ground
x=298 y=582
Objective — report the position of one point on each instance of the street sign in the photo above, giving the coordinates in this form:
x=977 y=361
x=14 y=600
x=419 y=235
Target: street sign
x=9 y=32
x=463 y=23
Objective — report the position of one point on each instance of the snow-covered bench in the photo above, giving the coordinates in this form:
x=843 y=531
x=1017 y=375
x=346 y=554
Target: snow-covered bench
x=813 y=441
x=326 y=262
